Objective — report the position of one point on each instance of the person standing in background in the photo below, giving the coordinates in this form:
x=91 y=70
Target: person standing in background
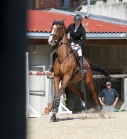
x=108 y=98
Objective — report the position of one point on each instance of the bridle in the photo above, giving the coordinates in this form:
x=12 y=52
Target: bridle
x=56 y=37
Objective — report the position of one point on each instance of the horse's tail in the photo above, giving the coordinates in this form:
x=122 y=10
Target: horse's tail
x=98 y=70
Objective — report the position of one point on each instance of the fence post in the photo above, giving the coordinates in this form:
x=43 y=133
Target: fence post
x=125 y=93
x=27 y=85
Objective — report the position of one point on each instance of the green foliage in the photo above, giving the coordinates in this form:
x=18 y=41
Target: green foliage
x=64 y=100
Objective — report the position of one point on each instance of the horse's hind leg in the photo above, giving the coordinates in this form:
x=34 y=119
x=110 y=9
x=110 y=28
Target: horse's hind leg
x=74 y=89
x=89 y=81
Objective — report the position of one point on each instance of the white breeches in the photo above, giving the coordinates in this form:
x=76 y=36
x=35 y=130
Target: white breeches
x=77 y=48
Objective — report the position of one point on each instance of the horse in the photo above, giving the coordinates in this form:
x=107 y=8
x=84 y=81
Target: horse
x=66 y=69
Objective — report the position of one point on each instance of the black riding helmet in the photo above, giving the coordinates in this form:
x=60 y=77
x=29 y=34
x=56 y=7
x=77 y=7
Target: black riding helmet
x=77 y=18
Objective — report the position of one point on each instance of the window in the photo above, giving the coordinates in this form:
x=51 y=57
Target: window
x=65 y=3
x=70 y=3
x=75 y=3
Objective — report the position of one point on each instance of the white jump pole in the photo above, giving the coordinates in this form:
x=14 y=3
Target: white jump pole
x=62 y=109
x=28 y=107
x=27 y=86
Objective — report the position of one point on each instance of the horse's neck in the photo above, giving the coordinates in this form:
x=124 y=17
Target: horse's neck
x=63 y=49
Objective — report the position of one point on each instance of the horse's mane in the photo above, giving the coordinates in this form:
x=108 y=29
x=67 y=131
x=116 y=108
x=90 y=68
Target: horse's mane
x=65 y=28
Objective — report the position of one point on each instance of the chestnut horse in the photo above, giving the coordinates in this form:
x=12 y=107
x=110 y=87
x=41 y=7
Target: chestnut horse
x=66 y=69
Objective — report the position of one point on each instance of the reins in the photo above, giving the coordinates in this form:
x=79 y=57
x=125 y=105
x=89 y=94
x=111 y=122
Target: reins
x=60 y=43
x=59 y=61
x=56 y=38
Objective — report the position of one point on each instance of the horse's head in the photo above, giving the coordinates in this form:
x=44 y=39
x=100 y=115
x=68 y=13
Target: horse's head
x=57 y=32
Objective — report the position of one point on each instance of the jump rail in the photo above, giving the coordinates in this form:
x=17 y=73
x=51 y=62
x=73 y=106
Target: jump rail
x=114 y=76
x=48 y=73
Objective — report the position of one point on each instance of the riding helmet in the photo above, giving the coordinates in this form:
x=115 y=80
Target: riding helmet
x=77 y=18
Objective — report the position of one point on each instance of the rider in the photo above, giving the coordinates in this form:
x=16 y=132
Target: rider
x=77 y=37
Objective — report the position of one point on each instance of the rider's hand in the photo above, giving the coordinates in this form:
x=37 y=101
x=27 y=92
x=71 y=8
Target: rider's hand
x=102 y=104
x=68 y=37
x=77 y=45
x=114 y=104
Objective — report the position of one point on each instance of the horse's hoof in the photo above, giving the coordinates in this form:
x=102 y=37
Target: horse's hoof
x=83 y=108
x=53 y=119
x=98 y=108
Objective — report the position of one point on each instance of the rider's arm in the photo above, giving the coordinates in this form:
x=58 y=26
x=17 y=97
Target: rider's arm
x=68 y=29
x=83 y=37
x=102 y=103
x=100 y=97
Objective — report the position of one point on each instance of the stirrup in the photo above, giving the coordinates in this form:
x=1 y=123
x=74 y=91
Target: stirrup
x=84 y=68
x=84 y=72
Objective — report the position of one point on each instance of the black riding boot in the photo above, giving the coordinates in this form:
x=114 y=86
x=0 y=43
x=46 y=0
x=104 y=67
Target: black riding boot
x=82 y=70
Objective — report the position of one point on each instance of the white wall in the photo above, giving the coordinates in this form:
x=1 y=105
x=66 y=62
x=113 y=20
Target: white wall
x=115 y=10
x=40 y=55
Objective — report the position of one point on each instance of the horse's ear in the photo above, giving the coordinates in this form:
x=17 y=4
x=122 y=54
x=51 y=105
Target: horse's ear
x=54 y=22
x=62 y=22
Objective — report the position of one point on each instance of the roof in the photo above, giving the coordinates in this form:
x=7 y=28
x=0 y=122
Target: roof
x=41 y=21
x=104 y=18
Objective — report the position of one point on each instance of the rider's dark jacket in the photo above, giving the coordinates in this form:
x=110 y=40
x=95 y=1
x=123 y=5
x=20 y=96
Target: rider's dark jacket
x=78 y=37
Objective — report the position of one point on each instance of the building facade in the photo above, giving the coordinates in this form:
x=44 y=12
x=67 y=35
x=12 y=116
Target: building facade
x=109 y=9
x=68 y=5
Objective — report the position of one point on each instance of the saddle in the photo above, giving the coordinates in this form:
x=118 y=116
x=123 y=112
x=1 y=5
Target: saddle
x=77 y=60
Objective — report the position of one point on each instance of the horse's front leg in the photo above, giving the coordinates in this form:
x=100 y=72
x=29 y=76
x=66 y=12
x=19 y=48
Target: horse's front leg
x=65 y=82
x=56 y=98
x=59 y=92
